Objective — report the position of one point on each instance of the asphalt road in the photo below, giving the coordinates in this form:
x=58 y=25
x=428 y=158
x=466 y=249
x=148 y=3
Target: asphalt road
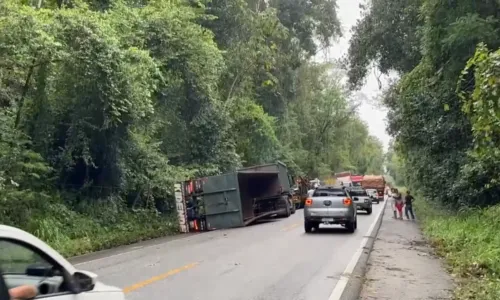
x=272 y=260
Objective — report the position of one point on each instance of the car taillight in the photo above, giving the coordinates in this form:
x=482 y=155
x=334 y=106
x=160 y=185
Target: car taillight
x=309 y=202
x=347 y=201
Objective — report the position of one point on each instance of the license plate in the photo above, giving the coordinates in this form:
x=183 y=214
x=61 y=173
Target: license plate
x=327 y=219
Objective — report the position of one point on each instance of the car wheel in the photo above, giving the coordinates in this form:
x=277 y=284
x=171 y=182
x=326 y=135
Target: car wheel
x=369 y=211
x=378 y=202
x=351 y=226
x=308 y=226
x=292 y=208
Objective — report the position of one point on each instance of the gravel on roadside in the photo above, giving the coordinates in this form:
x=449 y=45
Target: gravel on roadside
x=402 y=265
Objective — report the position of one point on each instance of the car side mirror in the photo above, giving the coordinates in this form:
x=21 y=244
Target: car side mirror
x=84 y=280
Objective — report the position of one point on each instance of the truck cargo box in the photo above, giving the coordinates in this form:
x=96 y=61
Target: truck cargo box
x=373 y=182
x=237 y=199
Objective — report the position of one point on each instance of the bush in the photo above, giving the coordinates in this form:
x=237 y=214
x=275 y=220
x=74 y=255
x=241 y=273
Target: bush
x=96 y=227
x=470 y=243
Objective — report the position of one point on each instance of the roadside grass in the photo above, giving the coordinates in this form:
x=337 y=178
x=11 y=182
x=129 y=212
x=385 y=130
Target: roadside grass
x=92 y=227
x=102 y=228
x=470 y=243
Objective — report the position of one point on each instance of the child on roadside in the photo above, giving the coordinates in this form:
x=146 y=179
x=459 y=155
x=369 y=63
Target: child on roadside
x=398 y=203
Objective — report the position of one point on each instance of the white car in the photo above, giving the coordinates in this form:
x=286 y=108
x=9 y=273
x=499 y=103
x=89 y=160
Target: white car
x=26 y=260
x=373 y=193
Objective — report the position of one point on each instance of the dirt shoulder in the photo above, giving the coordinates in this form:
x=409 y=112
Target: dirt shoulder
x=402 y=265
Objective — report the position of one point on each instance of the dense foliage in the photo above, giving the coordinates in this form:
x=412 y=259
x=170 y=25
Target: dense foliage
x=444 y=115
x=445 y=134
x=105 y=104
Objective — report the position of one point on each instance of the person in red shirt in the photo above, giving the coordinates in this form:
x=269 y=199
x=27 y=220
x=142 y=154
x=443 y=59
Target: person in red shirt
x=398 y=203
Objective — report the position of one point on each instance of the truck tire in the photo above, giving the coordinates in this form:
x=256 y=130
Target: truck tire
x=288 y=212
x=293 y=209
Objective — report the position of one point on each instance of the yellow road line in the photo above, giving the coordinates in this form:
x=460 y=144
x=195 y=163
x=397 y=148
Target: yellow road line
x=290 y=227
x=154 y=279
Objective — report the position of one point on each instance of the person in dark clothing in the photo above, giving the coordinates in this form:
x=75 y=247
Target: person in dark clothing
x=409 y=206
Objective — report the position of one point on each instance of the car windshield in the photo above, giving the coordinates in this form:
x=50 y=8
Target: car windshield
x=336 y=192
x=356 y=193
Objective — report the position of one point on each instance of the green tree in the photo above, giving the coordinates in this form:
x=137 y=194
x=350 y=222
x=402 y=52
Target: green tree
x=425 y=116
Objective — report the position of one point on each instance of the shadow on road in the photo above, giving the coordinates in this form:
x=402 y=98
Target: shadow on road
x=329 y=230
x=264 y=221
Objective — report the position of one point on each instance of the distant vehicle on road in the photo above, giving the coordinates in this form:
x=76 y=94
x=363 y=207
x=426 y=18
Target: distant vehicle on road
x=300 y=191
x=27 y=261
x=356 y=180
x=361 y=199
x=373 y=195
x=330 y=205
x=375 y=182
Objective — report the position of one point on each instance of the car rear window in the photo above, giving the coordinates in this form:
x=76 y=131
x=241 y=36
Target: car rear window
x=357 y=193
x=329 y=193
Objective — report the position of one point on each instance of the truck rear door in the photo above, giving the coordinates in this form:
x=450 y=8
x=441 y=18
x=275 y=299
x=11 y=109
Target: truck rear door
x=222 y=201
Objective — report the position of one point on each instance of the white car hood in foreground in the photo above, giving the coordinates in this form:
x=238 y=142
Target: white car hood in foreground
x=112 y=292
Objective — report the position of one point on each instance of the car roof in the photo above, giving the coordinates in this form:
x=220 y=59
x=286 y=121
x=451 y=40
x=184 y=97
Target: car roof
x=14 y=233
x=357 y=189
x=330 y=187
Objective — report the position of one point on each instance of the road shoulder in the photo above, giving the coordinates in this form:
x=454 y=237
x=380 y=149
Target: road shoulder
x=403 y=266
x=123 y=249
x=351 y=282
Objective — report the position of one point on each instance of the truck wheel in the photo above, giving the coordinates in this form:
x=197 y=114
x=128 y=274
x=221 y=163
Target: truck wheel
x=292 y=207
x=369 y=211
x=288 y=212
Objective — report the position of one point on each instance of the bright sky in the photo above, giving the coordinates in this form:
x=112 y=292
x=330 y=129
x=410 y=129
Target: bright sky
x=374 y=115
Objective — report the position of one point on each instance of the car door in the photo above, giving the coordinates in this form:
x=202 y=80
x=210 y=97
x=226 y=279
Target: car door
x=23 y=264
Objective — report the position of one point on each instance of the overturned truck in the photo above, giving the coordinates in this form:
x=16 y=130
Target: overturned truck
x=235 y=199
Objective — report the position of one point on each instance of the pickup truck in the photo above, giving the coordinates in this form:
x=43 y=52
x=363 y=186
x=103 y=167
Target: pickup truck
x=330 y=205
x=361 y=199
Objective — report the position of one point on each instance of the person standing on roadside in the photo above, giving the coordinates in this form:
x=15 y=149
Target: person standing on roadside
x=409 y=206
x=392 y=200
x=398 y=203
